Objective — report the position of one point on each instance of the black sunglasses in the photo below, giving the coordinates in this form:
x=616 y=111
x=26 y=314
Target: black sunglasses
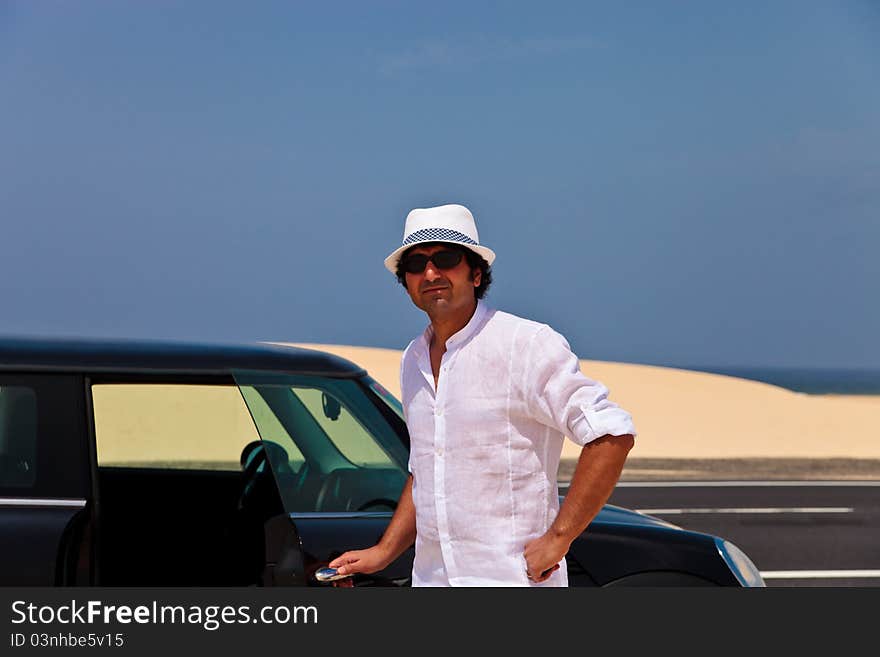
x=446 y=259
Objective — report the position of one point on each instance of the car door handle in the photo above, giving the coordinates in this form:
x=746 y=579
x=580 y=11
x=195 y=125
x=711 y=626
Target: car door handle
x=328 y=575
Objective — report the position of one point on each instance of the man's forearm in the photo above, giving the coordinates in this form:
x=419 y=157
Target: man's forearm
x=401 y=530
x=597 y=472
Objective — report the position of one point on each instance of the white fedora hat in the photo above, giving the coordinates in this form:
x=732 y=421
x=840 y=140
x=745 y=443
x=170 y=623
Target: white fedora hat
x=445 y=223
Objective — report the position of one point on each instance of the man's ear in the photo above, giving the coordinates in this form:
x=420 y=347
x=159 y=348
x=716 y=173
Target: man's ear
x=477 y=276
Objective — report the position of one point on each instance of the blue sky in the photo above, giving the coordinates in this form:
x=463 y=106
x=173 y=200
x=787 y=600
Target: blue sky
x=671 y=183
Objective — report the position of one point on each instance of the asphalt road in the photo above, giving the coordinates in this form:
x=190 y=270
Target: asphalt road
x=807 y=533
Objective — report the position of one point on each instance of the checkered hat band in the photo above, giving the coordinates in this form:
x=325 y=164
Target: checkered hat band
x=438 y=235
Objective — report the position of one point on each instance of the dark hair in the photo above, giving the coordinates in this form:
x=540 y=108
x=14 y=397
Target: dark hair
x=474 y=260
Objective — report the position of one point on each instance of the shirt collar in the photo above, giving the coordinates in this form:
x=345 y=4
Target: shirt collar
x=462 y=335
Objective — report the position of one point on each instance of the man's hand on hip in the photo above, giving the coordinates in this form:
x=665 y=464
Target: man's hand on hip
x=543 y=555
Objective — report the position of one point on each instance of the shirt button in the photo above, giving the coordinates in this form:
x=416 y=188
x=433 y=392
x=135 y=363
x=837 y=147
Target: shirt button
x=439 y=452
x=438 y=411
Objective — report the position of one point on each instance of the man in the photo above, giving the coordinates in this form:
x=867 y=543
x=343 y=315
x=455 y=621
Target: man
x=488 y=399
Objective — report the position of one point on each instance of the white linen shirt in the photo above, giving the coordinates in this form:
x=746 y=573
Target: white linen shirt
x=485 y=445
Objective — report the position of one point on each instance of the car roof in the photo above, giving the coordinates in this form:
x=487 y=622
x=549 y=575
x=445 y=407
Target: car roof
x=160 y=357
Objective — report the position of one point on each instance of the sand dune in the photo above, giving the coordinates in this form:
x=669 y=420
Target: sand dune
x=686 y=414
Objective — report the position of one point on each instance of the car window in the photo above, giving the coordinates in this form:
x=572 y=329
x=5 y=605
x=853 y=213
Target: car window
x=18 y=436
x=354 y=459
x=343 y=429
x=176 y=426
x=43 y=441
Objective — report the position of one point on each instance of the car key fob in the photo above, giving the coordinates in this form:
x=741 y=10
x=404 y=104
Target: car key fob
x=328 y=575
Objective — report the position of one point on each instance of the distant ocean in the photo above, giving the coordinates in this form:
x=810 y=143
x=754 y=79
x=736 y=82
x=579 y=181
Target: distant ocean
x=812 y=381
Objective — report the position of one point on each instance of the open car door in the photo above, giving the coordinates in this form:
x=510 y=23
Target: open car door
x=326 y=474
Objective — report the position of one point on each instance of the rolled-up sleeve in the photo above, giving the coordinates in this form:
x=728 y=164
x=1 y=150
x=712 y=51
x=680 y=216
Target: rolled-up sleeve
x=561 y=396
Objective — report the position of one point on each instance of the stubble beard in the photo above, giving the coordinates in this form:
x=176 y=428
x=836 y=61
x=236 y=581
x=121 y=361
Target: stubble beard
x=436 y=306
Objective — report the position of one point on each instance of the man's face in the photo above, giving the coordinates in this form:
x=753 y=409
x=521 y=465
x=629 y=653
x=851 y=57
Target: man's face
x=442 y=291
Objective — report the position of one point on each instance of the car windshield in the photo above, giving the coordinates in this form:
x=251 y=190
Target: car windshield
x=327 y=442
